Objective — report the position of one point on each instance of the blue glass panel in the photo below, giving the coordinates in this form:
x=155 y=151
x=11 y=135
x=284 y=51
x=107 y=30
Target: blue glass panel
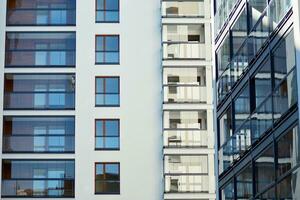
x=112 y=85
x=99 y=169
x=99 y=128
x=112 y=43
x=112 y=142
x=100 y=142
x=99 y=85
x=112 y=16
x=112 y=4
x=112 y=169
x=100 y=16
x=100 y=4
x=112 y=128
x=112 y=99
x=100 y=43
x=99 y=57
x=111 y=57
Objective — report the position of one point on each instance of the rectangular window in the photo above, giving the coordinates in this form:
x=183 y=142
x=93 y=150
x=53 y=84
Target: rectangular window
x=38 y=134
x=107 y=11
x=40 y=49
x=107 y=178
x=107 y=134
x=244 y=182
x=107 y=91
x=227 y=193
x=265 y=169
x=107 y=49
x=37 y=12
x=39 y=91
x=242 y=107
x=38 y=178
x=288 y=151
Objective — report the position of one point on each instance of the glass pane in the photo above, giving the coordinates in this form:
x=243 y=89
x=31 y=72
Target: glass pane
x=112 y=4
x=112 y=128
x=227 y=193
x=263 y=84
x=112 y=16
x=244 y=183
x=265 y=169
x=112 y=43
x=100 y=4
x=100 y=43
x=112 y=142
x=242 y=107
x=99 y=128
x=112 y=85
x=99 y=85
x=111 y=57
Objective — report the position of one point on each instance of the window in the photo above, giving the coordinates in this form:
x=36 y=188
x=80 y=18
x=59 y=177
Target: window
x=288 y=151
x=288 y=188
x=38 y=178
x=107 y=49
x=107 y=178
x=107 y=91
x=107 y=134
x=239 y=32
x=265 y=169
x=263 y=84
x=37 y=12
x=40 y=49
x=227 y=193
x=244 y=182
x=256 y=8
x=38 y=134
x=223 y=56
x=242 y=107
x=225 y=126
x=39 y=91
x=107 y=10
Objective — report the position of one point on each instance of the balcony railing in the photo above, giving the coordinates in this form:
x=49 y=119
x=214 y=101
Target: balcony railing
x=38 y=143
x=183 y=50
x=185 y=138
x=186 y=183
x=185 y=94
x=39 y=100
x=39 y=58
x=38 y=188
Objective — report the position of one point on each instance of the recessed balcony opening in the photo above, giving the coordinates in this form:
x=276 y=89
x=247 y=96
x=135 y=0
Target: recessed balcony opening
x=183 y=9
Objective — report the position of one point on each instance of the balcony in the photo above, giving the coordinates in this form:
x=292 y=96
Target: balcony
x=185 y=94
x=185 y=9
x=34 y=49
x=183 y=50
x=186 y=184
x=44 y=91
x=185 y=138
x=38 y=188
x=41 y=13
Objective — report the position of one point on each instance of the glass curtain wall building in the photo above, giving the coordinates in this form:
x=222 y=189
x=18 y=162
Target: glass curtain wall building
x=257 y=89
x=188 y=136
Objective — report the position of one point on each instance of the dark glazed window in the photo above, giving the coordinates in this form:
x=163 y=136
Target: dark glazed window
x=256 y=8
x=225 y=126
x=38 y=178
x=39 y=91
x=287 y=151
x=263 y=84
x=107 y=178
x=265 y=169
x=41 y=12
x=34 y=49
x=239 y=32
x=244 y=182
x=284 y=58
x=107 y=134
x=107 y=49
x=38 y=134
x=107 y=11
x=227 y=193
x=107 y=91
x=223 y=56
x=242 y=107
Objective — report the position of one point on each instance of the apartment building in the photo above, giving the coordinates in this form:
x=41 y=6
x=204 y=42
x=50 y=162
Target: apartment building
x=81 y=115
x=106 y=99
x=188 y=136
x=257 y=91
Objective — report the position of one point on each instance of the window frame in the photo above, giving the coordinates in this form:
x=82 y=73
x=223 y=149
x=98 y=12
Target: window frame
x=104 y=136
x=104 y=11
x=104 y=51
x=104 y=93
x=95 y=171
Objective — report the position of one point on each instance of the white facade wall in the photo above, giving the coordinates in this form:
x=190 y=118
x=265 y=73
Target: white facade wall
x=140 y=153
